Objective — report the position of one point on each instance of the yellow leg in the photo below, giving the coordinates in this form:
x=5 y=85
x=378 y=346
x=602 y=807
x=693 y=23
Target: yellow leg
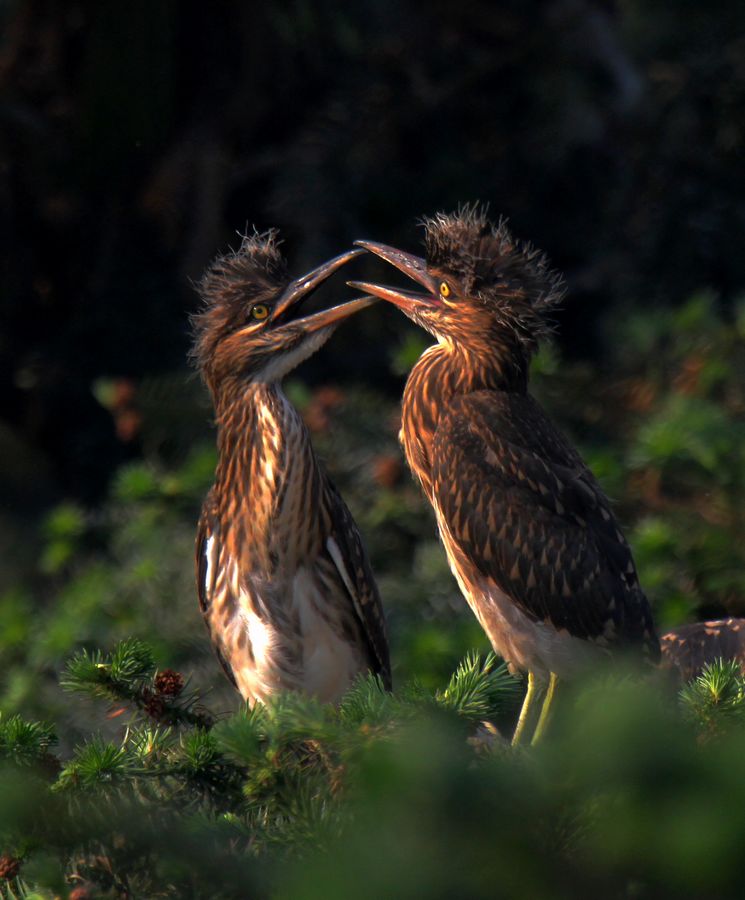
x=545 y=710
x=525 y=711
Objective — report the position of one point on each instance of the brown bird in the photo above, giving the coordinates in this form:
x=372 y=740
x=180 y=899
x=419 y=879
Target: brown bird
x=688 y=648
x=284 y=582
x=529 y=534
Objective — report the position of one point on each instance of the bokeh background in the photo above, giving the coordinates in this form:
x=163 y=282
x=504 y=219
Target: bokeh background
x=137 y=140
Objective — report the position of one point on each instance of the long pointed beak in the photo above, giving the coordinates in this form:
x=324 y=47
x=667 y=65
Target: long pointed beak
x=413 y=266
x=300 y=288
x=335 y=314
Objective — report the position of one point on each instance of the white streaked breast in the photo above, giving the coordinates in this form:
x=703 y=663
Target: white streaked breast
x=330 y=662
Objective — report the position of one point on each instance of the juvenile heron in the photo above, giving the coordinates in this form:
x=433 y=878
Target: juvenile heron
x=284 y=582
x=529 y=534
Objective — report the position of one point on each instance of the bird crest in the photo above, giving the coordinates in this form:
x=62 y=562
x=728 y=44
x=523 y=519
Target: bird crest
x=255 y=270
x=511 y=276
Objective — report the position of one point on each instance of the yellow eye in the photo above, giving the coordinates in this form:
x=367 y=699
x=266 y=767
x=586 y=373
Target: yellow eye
x=445 y=289
x=260 y=312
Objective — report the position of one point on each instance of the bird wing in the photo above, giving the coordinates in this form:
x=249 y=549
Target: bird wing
x=207 y=559
x=523 y=507
x=346 y=550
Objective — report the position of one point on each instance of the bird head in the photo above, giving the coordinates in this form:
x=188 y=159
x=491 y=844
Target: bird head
x=484 y=291
x=250 y=328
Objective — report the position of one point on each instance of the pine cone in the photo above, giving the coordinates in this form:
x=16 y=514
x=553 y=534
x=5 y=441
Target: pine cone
x=153 y=704
x=10 y=866
x=169 y=683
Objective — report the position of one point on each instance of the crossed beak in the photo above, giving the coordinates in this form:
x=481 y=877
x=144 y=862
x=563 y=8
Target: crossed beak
x=413 y=266
x=301 y=288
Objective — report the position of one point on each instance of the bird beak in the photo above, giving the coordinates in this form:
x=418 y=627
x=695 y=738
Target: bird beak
x=301 y=288
x=335 y=314
x=413 y=266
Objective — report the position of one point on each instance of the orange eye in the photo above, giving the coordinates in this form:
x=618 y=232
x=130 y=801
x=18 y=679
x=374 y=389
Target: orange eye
x=445 y=289
x=260 y=312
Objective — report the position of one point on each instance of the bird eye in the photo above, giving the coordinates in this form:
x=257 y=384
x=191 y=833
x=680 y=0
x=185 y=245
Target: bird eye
x=445 y=289
x=260 y=312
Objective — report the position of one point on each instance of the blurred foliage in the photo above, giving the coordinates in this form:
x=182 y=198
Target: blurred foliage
x=136 y=140
x=687 y=461
x=410 y=794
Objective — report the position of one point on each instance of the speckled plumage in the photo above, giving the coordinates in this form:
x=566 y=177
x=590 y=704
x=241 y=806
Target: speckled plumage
x=530 y=536
x=284 y=583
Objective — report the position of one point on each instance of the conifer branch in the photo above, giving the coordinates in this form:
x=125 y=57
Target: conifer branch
x=480 y=689
x=714 y=701
x=128 y=675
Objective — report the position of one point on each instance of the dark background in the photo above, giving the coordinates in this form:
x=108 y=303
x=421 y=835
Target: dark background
x=138 y=139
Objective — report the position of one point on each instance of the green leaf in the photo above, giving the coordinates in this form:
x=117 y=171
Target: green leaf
x=66 y=521
x=408 y=352
x=135 y=482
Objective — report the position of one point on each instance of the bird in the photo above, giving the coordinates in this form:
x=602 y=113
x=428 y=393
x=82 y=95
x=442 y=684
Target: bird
x=687 y=649
x=530 y=536
x=284 y=582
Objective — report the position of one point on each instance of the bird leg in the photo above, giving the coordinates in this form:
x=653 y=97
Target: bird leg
x=545 y=710
x=525 y=711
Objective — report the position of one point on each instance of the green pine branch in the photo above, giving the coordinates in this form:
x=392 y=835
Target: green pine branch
x=714 y=701
x=480 y=688
x=278 y=782
x=25 y=743
x=128 y=675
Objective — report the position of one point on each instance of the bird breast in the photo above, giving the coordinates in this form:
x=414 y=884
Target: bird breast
x=291 y=634
x=422 y=403
x=269 y=484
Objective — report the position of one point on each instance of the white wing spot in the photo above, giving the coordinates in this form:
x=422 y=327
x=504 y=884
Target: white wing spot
x=336 y=556
x=335 y=553
x=209 y=554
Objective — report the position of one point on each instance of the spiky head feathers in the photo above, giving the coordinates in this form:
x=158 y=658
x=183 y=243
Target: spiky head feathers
x=510 y=279
x=232 y=284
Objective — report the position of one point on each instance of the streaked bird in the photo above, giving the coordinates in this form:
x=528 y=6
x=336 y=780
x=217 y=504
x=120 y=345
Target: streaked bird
x=529 y=534
x=284 y=583
x=688 y=648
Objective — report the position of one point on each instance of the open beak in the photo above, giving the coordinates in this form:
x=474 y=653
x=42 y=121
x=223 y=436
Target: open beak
x=413 y=266
x=335 y=314
x=301 y=288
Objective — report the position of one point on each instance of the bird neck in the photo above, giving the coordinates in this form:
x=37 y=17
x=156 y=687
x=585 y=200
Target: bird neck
x=248 y=419
x=265 y=465
x=447 y=369
x=494 y=364
x=442 y=372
